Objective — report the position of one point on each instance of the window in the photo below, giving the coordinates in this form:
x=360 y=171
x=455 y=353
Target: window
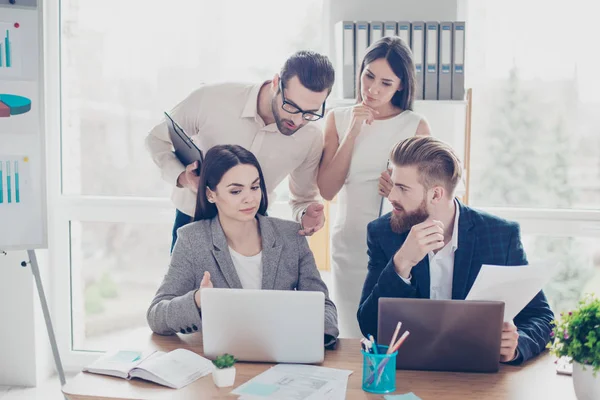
x=117 y=268
x=536 y=129
x=535 y=154
x=120 y=69
x=578 y=267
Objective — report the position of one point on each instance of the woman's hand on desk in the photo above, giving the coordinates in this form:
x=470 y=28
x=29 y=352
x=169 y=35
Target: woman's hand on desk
x=510 y=340
x=206 y=283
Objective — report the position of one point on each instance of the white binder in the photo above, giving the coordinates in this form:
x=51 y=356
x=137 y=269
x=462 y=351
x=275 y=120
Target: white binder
x=362 y=43
x=404 y=31
x=445 y=62
x=344 y=82
x=458 y=71
x=375 y=32
x=431 y=61
x=389 y=28
x=418 y=50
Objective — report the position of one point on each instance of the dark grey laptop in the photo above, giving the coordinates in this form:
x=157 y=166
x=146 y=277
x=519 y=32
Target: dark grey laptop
x=445 y=335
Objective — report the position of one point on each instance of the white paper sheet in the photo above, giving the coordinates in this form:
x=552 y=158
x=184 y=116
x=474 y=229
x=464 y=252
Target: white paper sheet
x=296 y=382
x=515 y=286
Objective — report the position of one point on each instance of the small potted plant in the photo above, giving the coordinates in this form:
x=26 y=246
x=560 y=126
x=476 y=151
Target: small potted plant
x=224 y=373
x=577 y=335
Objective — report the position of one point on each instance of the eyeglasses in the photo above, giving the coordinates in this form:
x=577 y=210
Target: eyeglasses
x=294 y=109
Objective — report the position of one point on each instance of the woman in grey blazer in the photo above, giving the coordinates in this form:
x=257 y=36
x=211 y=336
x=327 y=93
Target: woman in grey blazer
x=233 y=244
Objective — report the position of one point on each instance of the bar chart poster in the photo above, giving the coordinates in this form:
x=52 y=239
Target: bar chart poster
x=16 y=184
x=18 y=44
x=11 y=58
x=19 y=208
x=19 y=108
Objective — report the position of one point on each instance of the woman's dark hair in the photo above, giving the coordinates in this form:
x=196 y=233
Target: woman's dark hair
x=398 y=55
x=217 y=162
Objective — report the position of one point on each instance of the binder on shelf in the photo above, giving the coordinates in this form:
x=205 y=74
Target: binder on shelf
x=418 y=49
x=344 y=35
x=404 y=31
x=445 y=62
x=389 y=28
x=362 y=42
x=375 y=32
x=431 y=61
x=458 y=69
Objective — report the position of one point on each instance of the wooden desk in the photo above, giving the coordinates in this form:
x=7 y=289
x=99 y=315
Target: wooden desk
x=536 y=380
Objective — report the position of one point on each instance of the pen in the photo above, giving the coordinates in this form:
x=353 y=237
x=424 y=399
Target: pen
x=367 y=345
x=375 y=350
x=363 y=346
x=381 y=367
x=389 y=350
x=400 y=341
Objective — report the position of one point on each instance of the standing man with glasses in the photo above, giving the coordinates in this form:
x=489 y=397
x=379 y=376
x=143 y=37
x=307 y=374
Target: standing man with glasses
x=271 y=119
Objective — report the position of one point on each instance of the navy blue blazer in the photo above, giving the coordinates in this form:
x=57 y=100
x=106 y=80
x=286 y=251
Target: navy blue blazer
x=482 y=239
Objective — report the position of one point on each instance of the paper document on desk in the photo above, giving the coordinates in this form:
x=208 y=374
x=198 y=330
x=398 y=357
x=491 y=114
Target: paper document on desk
x=515 y=286
x=296 y=382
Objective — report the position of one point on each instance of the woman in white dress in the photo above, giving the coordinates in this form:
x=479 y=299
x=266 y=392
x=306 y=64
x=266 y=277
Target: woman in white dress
x=358 y=140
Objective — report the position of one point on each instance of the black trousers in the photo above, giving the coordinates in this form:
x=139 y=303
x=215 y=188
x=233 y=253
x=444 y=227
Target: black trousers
x=181 y=219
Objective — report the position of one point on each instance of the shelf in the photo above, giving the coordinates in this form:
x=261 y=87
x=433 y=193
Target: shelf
x=333 y=103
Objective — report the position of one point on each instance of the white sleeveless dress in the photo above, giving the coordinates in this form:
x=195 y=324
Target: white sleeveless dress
x=358 y=204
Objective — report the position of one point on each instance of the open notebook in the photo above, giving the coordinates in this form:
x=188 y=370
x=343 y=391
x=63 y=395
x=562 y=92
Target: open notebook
x=174 y=369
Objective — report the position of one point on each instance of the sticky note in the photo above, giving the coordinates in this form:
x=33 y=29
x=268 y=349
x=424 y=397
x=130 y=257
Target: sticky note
x=406 y=396
x=259 y=389
x=125 y=357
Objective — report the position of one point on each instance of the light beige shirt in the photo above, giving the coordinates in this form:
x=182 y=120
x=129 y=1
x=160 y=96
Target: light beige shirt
x=227 y=113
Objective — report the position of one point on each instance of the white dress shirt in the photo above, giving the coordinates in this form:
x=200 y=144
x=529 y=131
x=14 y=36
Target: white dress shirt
x=227 y=113
x=249 y=269
x=441 y=265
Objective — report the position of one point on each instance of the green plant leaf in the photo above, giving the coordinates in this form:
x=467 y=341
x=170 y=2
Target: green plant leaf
x=224 y=361
x=577 y=333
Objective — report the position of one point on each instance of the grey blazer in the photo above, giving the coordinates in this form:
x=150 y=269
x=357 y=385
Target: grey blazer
x=287 y=261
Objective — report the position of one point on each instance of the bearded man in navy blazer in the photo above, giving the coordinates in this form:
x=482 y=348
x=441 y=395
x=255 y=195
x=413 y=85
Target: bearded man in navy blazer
x=433 y=246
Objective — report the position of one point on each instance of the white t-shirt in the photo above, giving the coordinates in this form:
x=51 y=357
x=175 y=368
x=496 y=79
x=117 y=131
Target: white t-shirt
x=249 y=269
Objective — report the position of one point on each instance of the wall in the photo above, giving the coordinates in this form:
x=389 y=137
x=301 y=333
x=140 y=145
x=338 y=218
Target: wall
x=25 y=354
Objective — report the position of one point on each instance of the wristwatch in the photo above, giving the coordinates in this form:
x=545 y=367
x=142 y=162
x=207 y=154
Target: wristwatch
x=302 y=216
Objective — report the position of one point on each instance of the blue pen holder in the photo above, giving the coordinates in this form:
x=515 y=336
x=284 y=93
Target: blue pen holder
x=379 y=371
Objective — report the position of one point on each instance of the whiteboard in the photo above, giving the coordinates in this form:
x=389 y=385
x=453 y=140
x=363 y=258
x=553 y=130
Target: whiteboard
x=23 y=211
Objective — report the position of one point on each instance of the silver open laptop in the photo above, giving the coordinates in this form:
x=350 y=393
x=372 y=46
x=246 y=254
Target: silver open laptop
x=264 y=325
x=445 y=335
